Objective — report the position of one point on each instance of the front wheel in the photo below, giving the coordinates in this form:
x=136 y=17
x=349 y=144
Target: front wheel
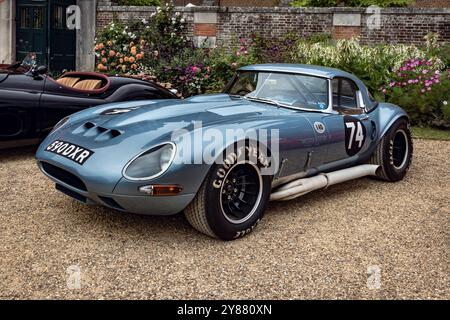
x=232 y=199
x=394 y=152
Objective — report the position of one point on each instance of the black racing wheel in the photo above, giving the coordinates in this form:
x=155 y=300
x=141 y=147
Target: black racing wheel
x=394 y=152
x=233 y=197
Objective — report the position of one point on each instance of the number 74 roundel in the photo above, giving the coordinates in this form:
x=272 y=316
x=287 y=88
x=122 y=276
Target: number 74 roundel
x=355 y=135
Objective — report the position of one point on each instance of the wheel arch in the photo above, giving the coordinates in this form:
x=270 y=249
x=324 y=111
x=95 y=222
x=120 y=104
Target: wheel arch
x=388 y=114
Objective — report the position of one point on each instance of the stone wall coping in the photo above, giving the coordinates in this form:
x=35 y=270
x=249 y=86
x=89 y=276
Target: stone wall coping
x=287 y=10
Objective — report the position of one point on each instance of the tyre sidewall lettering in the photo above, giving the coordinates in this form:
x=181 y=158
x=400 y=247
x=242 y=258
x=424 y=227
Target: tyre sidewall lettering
x=217 y=221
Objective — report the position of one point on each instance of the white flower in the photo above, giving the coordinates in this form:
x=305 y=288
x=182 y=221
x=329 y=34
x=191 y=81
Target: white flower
x=172 y=34
x=144 y=21
x=182 y=20
x=444 y=103
x=177 y=14
x=147 y=27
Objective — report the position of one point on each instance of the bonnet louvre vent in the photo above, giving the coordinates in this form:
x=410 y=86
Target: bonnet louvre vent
x=90 y=129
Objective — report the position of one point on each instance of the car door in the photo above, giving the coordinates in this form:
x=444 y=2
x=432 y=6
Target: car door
x=349 y=127
x=19 y=102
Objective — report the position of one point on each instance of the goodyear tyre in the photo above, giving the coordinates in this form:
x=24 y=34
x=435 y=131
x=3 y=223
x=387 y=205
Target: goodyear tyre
x=233 y=197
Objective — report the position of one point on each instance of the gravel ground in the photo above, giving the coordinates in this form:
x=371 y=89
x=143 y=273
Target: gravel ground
x=328 y=244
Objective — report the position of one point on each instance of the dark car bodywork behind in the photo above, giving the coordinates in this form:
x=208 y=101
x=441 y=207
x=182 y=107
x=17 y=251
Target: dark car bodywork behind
x=31 y=104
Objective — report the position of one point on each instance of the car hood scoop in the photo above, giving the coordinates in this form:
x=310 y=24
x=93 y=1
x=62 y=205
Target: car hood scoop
x=99 y=133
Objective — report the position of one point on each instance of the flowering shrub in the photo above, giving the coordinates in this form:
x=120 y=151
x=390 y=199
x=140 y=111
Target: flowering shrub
x=422 y=88
x=225 y=61
x=157 y=48
x=372 y=64
x=119 y=50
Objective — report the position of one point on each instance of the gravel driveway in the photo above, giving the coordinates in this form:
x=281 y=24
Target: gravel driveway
x=361 y=239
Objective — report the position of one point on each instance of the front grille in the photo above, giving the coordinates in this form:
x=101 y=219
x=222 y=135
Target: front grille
x=63 y=176
x=71 y=193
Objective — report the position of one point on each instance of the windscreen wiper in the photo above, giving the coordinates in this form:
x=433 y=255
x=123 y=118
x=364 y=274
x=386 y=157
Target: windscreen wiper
x=265 y=100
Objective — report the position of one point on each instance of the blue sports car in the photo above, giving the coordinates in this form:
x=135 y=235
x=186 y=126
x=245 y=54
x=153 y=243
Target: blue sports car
x=277 y=132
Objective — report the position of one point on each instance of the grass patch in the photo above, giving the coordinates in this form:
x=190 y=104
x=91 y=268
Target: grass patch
x=430 y=133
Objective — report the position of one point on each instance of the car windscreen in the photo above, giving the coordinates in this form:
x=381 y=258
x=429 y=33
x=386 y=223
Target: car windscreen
x=295 y=90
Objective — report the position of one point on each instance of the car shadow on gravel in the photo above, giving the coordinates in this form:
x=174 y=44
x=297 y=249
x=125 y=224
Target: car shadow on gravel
x=176 y=228
x=15 y=154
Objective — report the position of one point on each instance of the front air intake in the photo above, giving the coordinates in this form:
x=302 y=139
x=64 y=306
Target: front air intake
x=63 y=176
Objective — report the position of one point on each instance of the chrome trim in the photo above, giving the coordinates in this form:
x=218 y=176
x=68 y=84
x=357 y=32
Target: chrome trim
x=147 y=150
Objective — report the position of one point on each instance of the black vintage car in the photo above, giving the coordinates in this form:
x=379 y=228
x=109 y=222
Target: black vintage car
x=32 y=102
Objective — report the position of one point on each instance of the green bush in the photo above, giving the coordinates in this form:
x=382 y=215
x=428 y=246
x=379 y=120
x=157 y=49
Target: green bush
x=372 y=64
x=139 y=2
x=351 y=3
x=415 y=78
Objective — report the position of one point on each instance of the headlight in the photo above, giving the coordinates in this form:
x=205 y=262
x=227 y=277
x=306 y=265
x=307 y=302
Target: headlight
x=151 y=163
x=60 y=124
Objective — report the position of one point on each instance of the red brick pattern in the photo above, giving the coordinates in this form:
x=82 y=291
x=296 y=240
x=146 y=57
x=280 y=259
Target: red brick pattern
x=344 y=32
x=431 y=4
x=205 y=29
x=397 y=25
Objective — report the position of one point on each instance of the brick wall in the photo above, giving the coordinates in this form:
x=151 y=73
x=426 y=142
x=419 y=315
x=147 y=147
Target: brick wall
x=431 y=4
x=397 y=25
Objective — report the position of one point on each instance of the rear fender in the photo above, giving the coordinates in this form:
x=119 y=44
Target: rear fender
x=386 y=114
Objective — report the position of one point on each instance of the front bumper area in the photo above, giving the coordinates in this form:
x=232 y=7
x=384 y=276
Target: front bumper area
x=73 y=186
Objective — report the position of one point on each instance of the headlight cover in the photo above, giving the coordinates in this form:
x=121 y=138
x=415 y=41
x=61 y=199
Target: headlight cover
x=60 y=123
x=151 y=163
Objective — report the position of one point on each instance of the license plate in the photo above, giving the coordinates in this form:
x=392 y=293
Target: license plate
x=70 y=151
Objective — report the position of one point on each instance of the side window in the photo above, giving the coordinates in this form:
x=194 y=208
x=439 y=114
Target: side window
x=345 y=96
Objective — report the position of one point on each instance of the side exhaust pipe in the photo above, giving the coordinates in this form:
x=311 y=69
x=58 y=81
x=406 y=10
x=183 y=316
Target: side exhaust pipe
x=300 y=187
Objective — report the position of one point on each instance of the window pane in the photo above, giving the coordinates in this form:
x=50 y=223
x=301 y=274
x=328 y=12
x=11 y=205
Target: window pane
x=300 y=91
x=57 y=17
x=348 y=89
x=38 y=18
x=348 y=94
x=24 y=18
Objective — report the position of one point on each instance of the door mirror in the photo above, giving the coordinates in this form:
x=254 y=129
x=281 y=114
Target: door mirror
x=39 y=71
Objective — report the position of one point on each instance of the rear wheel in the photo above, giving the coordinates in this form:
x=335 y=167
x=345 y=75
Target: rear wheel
x=394 y=152
x=232 y=199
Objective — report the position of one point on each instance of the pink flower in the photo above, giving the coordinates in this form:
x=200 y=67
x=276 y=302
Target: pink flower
x=195 y=69
x=238 y=53
x=425 y=71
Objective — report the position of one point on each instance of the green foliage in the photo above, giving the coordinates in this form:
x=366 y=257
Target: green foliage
x=415 y=78
x=139 y=2
x=373 y=65
x=351 y=3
